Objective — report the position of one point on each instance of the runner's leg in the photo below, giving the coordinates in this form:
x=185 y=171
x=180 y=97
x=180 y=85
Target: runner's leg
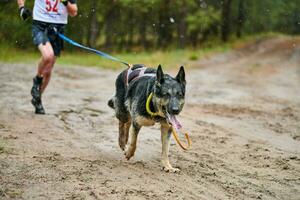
x=46 y=64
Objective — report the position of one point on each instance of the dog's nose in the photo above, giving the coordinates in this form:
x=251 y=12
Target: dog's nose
x=175 y=110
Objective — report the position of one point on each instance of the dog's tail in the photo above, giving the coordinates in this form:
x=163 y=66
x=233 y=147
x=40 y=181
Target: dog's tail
x=110 y=103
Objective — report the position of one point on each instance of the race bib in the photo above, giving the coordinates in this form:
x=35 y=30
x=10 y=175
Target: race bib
x=51 y=11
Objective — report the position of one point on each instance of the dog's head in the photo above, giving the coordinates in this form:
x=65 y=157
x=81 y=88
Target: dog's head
x=169 y=92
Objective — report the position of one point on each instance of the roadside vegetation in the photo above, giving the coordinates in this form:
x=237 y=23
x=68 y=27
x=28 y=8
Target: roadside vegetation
x=168 y=58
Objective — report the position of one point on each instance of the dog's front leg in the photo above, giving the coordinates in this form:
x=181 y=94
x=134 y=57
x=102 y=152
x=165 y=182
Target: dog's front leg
x=123 y=133
x=133 y=133
x=165 y=139
x=127 y=127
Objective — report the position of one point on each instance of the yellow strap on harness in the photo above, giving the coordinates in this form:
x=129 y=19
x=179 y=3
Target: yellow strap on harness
x=148 y=106
x=184 y=147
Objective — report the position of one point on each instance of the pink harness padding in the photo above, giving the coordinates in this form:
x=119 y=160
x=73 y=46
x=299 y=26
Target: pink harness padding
x=136 y=74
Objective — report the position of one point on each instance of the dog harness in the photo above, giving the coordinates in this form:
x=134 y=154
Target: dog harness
x=135 y=72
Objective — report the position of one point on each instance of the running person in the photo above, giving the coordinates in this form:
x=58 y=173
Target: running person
x=49 y=16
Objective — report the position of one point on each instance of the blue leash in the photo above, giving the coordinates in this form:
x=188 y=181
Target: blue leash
x=100 y=53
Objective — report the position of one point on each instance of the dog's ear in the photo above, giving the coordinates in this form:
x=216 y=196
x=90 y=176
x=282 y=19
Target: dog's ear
x=159 y=75
x=181 y=76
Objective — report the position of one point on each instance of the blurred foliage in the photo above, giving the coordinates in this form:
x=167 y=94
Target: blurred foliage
x=201 y=23
x=167 y=58
x=134 y=25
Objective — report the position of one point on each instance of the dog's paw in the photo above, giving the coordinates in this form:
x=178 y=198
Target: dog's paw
x=122 y=146
x=122 y=143
x=171 y=169
x=128 y=154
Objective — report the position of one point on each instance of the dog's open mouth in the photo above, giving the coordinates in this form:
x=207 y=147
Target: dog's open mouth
x=171 y=119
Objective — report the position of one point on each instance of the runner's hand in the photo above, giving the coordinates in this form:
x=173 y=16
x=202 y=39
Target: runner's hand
x=65 y=2
x=25 y=13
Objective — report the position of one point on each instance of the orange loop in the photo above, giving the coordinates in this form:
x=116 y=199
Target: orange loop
x=184 y=147
x=130 y=66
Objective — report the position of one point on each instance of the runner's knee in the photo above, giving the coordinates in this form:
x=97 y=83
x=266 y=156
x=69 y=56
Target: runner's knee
x=49 y=58
x=47 y=71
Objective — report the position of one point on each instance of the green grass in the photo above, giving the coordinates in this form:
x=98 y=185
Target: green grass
x=12 y=55
x=173 y=58
x=169 y=59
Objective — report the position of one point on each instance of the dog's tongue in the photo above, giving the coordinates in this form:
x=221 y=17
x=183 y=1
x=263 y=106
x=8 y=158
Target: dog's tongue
x=173 y=121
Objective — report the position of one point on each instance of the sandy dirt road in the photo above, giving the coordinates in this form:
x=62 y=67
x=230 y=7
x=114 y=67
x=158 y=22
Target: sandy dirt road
x=242 y=111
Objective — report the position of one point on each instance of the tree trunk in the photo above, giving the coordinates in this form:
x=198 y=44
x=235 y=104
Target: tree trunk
x=143 y=31
x=182 y=26
x=130 y=30
x=93 y=26
x=112 y=18
x=164 y=29
x=226 y=19
x=241 y=18
x=108 y=29
x=194 y=38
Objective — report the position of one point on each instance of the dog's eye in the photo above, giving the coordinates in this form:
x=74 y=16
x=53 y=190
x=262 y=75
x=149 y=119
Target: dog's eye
x=180 y=94
x=166 y=94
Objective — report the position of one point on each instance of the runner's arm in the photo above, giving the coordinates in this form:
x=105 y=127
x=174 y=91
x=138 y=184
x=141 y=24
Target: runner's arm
x=21 y=3
x=25 y=13
x=71 y=7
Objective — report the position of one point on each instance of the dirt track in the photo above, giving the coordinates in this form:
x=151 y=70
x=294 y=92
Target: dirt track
x=242 y=111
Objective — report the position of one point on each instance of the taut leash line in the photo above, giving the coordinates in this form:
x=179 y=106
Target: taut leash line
x=100 y=53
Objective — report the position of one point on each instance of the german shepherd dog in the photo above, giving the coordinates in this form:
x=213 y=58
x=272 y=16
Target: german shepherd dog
x=129 y=104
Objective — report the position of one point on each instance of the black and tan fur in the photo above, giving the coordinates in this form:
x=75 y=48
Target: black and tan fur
x=129 y=104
